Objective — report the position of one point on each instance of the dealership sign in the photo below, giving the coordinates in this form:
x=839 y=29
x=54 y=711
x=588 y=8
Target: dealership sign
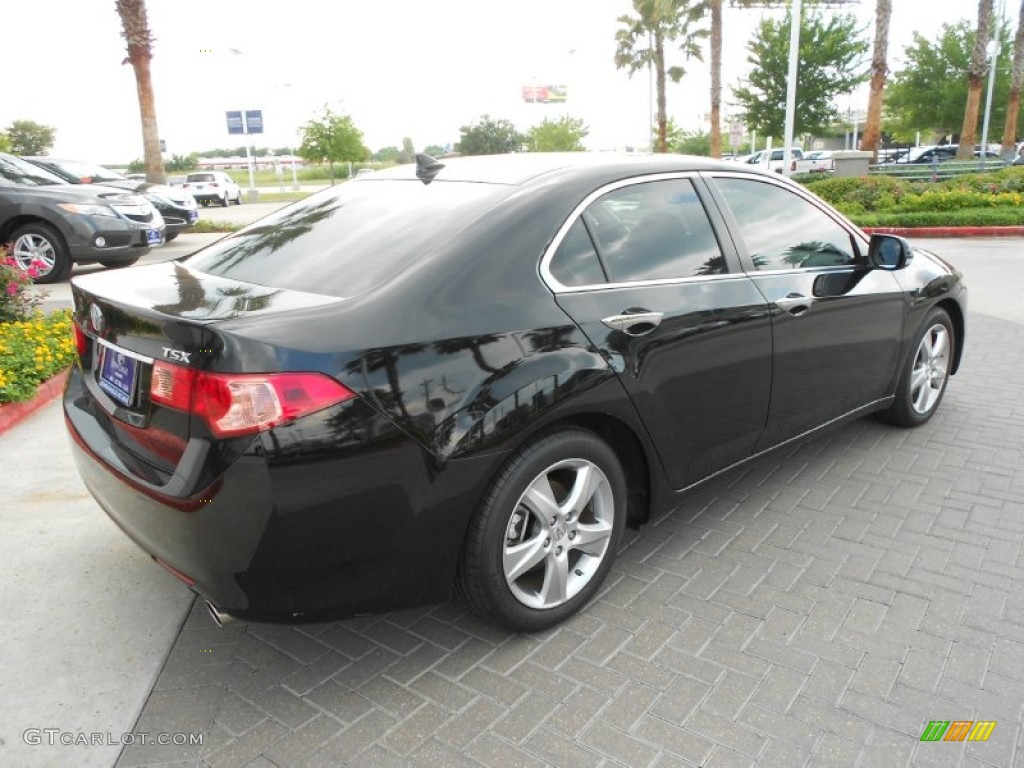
x=544 y=94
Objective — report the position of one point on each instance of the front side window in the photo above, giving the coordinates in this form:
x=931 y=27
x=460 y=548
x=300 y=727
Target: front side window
x=783 y=230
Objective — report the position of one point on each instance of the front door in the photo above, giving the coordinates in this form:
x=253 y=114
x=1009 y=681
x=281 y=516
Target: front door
x=640 y=270
x=836 y=323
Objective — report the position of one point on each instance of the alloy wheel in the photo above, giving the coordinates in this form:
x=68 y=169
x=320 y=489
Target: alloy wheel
x=558 y=533
x=32 y=249
x=931 y=369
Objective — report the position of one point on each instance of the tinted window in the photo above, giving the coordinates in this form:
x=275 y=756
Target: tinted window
x=575 y=262
x=346 y=240
x=199 y=177
x=782 y=230
x=16 y=172
x=654 y=230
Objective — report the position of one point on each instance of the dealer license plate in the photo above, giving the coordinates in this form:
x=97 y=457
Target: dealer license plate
x=118 y=373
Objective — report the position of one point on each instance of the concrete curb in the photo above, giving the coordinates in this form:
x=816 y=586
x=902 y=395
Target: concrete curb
x=1009 y=231
x=12 y=414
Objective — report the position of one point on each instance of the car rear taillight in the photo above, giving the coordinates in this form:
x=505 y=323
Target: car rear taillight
x=235 y=404
x=81 y=341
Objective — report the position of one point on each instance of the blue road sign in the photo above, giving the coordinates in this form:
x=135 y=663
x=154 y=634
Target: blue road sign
x=254 y=121
x=235 y=122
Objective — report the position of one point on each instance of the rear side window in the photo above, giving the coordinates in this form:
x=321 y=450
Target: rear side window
x=575 y=263
x=655 y=230
x=346 y=240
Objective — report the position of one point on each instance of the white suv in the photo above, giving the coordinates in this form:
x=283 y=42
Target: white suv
x=213 y=187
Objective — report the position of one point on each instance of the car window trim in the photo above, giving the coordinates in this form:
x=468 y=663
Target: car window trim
x=699 y=187
x=740 y=244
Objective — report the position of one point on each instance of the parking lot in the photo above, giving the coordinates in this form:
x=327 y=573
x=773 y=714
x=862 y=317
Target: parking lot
x=819 y=607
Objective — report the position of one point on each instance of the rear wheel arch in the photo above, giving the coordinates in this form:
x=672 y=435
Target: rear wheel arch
x=624 y=442
x=631 y=454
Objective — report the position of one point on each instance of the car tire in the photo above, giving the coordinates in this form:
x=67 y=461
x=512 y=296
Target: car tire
x=170 y=236
x=545 y=533
x=238 y=199
x=41 y=242
x=925 y=372
x=225 y=201
x=120 y=264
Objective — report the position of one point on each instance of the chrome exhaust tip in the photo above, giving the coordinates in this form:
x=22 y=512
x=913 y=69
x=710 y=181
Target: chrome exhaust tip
x=219 y=617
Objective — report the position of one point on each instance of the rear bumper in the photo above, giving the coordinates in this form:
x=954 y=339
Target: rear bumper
x=285 y=532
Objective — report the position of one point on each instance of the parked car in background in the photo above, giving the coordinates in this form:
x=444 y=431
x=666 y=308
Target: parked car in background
x=472 y=374
x=938 y=153
x=52 y=224
x=818 y=161
x=177 y=207
x=213 y=187
x=774 y=162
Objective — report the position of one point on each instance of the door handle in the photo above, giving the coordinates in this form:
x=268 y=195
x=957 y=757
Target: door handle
x=794 y=303
x=634 y=322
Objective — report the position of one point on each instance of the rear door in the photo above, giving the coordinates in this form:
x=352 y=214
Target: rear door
x=639 y=267
x=837 y=324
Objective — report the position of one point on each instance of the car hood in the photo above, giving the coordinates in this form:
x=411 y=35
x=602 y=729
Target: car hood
x=78 y=193
x=145 y=188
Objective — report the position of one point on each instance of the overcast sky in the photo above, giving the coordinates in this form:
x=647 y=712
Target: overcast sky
x=401 y=68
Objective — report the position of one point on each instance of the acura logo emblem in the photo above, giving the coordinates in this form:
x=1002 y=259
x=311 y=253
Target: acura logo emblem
x=96 y=318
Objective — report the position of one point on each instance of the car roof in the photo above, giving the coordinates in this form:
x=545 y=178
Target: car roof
x=518 y=169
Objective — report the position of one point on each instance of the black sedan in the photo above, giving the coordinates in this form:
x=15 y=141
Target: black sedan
x=470 y=375
x=177 y=207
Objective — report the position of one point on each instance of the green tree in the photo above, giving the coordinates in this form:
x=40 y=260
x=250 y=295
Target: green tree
x=5 y=143
x=929 y=93
x=179 y=163
x=387 y=155
x=489 y=137
x=565 y=134
x=408 y=153
x=831 y=62
x=27 y=137
x=434 y=150
x=1016 y=81
x=332 y=139
x=642 y=39
x=139 y=39
x=879 y=72
x=976 y=71
x=691 y=143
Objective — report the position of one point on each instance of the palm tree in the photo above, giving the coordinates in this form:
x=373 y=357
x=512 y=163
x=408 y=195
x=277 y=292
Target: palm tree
x=975 y=78
x=658 y=22
x=135 y=30
x=879 y=70
x=1016 y=80
x=716 y=78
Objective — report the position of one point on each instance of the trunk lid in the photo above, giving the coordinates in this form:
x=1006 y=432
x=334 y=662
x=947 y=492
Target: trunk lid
x=132 y=323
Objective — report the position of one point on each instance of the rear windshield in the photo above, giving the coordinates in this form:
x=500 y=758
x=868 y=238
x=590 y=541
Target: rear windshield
x=346 y=240
x=199 y=177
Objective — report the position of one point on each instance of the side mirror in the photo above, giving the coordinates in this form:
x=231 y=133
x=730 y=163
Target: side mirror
x=889 y=252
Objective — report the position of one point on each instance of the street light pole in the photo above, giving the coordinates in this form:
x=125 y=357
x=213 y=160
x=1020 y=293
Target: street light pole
x=794 y=58
x=993 y=56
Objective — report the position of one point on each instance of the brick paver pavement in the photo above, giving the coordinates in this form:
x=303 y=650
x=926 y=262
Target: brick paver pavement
x=816 y=608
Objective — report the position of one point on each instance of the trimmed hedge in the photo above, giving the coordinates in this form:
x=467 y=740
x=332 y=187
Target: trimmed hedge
x=990 y=199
